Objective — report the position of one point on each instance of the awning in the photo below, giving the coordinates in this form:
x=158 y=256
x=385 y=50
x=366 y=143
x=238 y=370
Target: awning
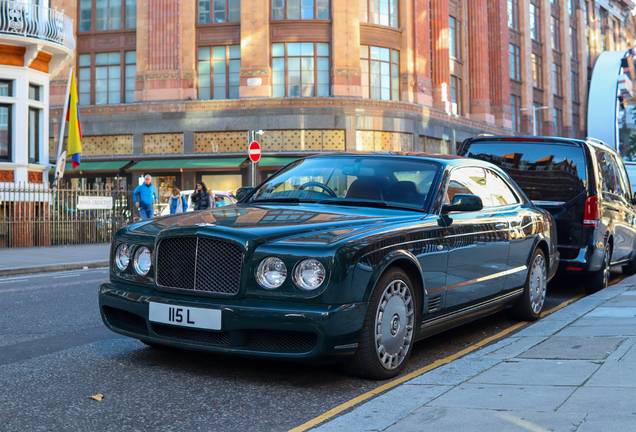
x=97 y=166
x=187 y=163
x=275 y=161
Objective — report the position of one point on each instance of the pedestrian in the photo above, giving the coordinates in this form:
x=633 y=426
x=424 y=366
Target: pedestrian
x=177 y=202
x=201 y=197
x=145 y=197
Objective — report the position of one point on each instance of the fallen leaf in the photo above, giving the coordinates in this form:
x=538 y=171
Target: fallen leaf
x=97 y=397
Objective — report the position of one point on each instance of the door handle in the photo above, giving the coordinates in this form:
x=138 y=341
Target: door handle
x=501 y=226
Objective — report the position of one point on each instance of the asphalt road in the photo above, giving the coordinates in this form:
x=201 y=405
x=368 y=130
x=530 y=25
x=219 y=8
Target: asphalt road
x=55 y=353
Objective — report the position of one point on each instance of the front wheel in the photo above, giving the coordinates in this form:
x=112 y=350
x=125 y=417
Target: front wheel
x=600 y=279
x=388 y=329
x=530 y=305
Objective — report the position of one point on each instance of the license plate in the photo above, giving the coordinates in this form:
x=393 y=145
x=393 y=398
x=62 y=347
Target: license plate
x=209 y=319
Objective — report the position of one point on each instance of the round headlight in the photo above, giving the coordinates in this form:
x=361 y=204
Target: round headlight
x=122 y=256
x=271 y=273
x=309 y=274
x=142 y=261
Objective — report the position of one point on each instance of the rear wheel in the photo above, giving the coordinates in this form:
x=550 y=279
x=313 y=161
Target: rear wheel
x=388 y=329
x=530 y=305
x=600 y=279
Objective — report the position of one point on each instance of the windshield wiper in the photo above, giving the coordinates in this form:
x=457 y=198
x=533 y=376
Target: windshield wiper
x=281 y=200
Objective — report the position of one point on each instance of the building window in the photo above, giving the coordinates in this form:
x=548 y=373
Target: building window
x=535 y=18
x=537 y=71
x=515 y=61
x=84 y=79
x=573 y=44
x=109 y=15
x=513 y=14
x=5 y=129
x=35 y=92
x=576 y=124
x=455 y=95
x=514 y=107
x=380 y=73
x=107 y=78
x=219 y=11
x=585 y=12
x=34 y=135
x=219 y=72
x=130 y=70
x=556 y=79
x=300 y=69
x=383 y=12
x=558 y=122
x=300 y=9
x=556 y=42
x=453 y=42
x=571 y=7
x=575 y=86
x=538 y=119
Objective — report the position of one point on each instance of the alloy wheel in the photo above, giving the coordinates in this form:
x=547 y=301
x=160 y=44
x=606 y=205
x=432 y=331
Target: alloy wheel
x=538 y=283
x=394 y=322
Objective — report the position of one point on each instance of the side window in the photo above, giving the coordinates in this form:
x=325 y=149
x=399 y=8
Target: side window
x=469 y=180
x=500 y=193
x=606 y=171
x=621 y=178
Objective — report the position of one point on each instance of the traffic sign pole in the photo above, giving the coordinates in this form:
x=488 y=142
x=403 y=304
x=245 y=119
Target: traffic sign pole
x=254 y=153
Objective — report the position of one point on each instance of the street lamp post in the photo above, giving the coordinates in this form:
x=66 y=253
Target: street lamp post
x=534 y=116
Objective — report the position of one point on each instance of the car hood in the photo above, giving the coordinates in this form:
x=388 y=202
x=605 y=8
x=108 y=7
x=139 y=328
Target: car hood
x=306 y=223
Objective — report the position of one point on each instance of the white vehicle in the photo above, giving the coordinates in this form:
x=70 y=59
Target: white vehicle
x=226 y=199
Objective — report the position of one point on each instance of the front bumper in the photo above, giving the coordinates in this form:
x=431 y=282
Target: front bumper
x=284 y=330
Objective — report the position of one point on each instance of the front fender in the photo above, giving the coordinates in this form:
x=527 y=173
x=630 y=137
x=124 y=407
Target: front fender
x=367 y=274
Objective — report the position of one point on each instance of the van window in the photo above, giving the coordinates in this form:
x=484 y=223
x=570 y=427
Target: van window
x=544 y=171
x=606 y=173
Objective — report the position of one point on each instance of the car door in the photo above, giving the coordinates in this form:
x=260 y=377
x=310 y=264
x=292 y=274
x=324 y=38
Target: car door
x=613 y=209
x=478 y=243
x=627 y=220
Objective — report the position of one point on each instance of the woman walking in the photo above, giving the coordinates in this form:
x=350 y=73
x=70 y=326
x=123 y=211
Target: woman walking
x=177 y=202
x=201 y=198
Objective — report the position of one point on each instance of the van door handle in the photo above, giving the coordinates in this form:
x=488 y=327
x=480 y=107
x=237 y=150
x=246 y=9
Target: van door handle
x=501 y=225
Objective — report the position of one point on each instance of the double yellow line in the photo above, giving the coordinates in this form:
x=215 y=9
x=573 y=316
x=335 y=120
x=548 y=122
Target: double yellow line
x=437 y=363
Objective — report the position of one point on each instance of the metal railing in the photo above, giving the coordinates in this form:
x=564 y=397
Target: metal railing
x=37 y=215
x=29 y=20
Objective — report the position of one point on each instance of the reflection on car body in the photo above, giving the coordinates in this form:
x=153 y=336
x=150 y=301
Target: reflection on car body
x=336 y=258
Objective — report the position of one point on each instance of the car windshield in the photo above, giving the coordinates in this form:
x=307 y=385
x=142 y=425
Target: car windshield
x=355 y=180
x=545 y=172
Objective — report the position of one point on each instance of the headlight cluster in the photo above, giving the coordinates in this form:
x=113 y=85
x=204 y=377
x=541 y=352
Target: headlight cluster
x=308 y=274
x=141 y=259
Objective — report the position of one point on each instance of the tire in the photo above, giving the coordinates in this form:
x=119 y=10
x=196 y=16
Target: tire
x=530 y=305
x=629 y=269
x=388 y=330
x=600 y=279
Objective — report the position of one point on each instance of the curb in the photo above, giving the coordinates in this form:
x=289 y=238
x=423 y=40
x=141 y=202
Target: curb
x=52 y=268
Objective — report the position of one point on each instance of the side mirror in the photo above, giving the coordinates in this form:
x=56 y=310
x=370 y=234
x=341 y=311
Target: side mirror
x=463 y=202
x=242 y=192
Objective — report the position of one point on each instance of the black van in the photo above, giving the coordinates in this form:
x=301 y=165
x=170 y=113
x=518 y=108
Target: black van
x=585 y=186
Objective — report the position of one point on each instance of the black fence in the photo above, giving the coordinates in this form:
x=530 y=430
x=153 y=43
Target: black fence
x=38 y=215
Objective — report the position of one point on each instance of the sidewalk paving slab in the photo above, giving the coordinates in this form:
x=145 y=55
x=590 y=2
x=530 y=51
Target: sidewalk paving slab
x=16 y=261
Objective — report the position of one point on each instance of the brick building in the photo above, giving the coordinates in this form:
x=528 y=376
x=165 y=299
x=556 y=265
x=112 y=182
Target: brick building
x=172 y=88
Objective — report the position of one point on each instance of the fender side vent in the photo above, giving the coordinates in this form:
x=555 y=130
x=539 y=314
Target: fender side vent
x=434 y=303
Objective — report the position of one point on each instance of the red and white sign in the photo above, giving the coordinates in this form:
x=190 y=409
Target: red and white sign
x=254 y=151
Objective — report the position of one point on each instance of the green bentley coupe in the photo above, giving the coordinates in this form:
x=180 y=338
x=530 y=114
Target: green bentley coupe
x=345 y=258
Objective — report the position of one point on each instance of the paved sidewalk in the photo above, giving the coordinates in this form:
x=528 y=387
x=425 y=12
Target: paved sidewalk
x=574 y=370
x=53 y=258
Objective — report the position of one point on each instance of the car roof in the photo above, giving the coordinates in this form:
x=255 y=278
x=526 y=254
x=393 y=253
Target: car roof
x=555 y=140
x=444 y=159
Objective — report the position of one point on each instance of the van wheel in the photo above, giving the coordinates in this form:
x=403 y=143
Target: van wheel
x=387 y=334
x=530 y=305
x=600 y=279
x=629 y=269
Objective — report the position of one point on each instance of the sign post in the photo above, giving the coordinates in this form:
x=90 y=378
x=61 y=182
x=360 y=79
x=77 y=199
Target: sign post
x=254 y=153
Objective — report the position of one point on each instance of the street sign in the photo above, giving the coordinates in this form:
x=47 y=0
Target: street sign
x=254 y=151
x=94 y=203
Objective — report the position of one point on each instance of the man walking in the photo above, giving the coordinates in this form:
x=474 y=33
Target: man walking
x=147 y=198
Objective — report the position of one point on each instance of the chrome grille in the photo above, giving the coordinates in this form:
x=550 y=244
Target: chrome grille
x=199 y=264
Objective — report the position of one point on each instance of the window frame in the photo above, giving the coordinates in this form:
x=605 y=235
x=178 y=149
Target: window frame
x=457 y=89
x=211 y=13
x=300 y=7
x=93 y=76
x=557 y=85
x=535 y=22
x=454 y=45
x=515 y=109
x=211 y=60
x=514 y=58
x=536 y=62
x=513 y=14
x=397 y=12
x=391 y=63
x=33 y=148
x=555 y=33
x=315 y=57
x=9 y=107
x=93 y=16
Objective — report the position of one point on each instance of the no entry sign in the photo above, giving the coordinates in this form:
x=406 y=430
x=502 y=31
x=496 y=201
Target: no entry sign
x=254 y=151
